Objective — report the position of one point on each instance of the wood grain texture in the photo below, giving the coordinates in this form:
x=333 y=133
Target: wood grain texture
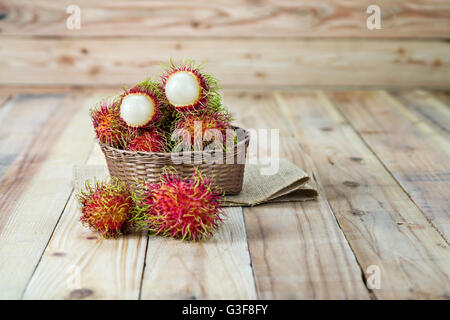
x=383 y=226
x=428 y=107
x=297 y=249
x=73 y=264
x=41 y=177
x=443 y=96
x=20 y=121
x=3 y=99
x=217 y=18
x=408 y=147
x=15 y=90
x=238 y=63
x=219 y=268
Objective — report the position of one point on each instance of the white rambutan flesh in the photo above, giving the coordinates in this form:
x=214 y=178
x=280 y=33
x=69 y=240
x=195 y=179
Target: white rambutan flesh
x=137 y=109
x=182 y=88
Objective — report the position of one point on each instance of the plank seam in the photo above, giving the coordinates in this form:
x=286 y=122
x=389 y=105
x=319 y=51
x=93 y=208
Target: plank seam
x=46 y=245
x=363 y=275
x=224 y=38
x=258 y=297
x=143 y=267
x=51 y=235
x=76 y=88
x=371 y=293
x=3 y=103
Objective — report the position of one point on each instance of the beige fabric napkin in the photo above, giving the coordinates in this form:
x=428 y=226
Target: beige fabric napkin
x=290 y=183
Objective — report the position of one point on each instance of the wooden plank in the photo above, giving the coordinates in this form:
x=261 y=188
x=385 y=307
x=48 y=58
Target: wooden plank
x=407 y=146
x=217 y=18
x=238 y=63
x=219 y=268
x=383 y=226
x=39 y=89
x=297 y=249
x=36 y=186
x=25 y=121
x=20 y=121
x=73 y=264
x=426 y=107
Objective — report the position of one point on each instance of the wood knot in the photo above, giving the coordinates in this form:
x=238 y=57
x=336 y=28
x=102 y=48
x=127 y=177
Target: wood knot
x=260 y=74
x=437 y=63
x=401 y=51
x=357 y=212
x=94 y=70
x=81 y=293
x=66 y=60
x=356 y=159
x=58 y=254
x=195 y=24
x=330 y=161
x=351 y=184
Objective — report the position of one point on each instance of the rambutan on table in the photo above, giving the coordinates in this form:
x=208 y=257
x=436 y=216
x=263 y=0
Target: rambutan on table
x=379 y=229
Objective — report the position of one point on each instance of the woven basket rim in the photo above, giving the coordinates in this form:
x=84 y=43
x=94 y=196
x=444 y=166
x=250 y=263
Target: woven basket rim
x=244 y=141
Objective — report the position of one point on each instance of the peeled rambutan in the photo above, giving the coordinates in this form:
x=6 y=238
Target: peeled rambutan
x=109 y=127
x=182 y=208
x=149 y=140
x=203 y=128
x=142 y=105
x=187 y=87
x=106 y=207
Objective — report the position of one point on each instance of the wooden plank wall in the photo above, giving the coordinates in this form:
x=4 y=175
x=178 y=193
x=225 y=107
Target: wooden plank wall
x=245 y=43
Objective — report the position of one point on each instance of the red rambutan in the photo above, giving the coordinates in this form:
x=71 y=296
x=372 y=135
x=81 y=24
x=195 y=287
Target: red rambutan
x=150 y=140
x=186 y=87
x=143 y=104
x=106 y=207
x=182 y=208
x=109 y=127
x=205 y=126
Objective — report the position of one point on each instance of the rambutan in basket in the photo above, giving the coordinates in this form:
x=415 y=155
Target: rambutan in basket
x=137 y=166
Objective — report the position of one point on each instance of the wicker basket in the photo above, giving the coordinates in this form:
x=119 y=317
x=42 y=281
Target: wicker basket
x=137 y=166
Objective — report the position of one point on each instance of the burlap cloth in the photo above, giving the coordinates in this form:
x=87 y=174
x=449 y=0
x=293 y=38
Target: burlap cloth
x=290 y=183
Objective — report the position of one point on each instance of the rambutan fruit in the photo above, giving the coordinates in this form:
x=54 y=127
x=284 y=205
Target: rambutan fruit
x=203 y=128
x=108 y=125
x=142 y=104
x=182 y=208
x=187 y=87
x=149 y=140
x=106 y=207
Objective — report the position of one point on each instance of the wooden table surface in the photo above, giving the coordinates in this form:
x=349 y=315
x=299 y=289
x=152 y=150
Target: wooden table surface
x=380 y=159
